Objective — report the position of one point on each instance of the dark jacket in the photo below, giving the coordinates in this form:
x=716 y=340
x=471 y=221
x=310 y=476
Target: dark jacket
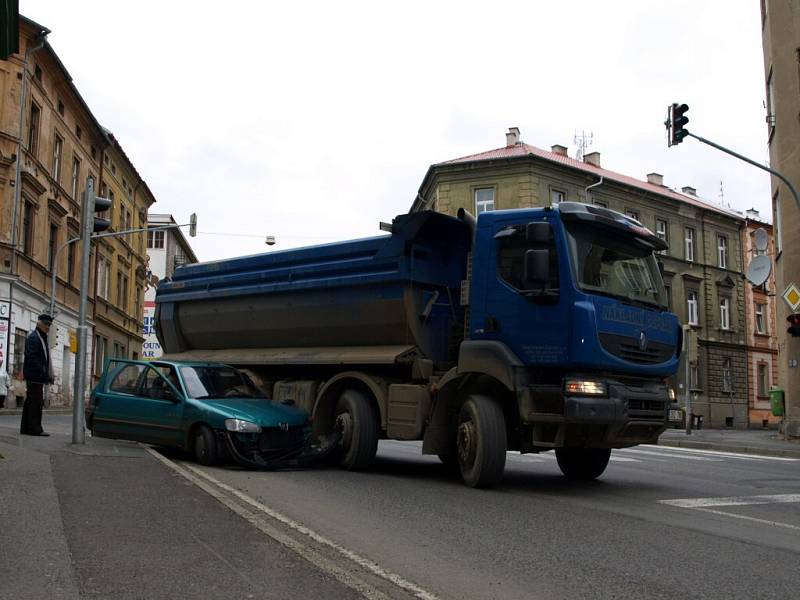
x=36 y=367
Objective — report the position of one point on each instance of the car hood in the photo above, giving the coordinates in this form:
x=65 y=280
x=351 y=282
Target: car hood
x=260 y=411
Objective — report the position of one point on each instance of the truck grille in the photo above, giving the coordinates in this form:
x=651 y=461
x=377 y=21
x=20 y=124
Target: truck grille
x=628 y=349
x=646 y=409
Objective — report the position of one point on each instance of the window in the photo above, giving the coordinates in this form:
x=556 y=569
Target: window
x=137 y=304
x=727 y=375
x=113 y=169
x=668 y=294
x=124 y=301
x=761 y=324
x=155 y=239
x=37 y=72
x=771 y=117
x=633 y=214
x=484 y=200
x=689 y=244
x=61 y=108
x=70 y=262
x=100 y=353
x=691 y=302
x=103 y=278
x=58 y=146
x=762 y=378
x=722 y=252
x=694 y=376
x=119 y=291
x=19 y=352
x=27 y=229
x=776 y=210
x=557 y=196
x=725 y=313
x=78 y=131
x=33 y=129
x=93 y=152
x=76 y=172
x=52 y=247
x=661 y=231
x=126 y=381
x=511 y=259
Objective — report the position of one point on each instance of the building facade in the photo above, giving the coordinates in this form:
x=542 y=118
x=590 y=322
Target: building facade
x=702 y=267
x=167 y=249
x=762 y=344
x=781 y=38
x=51 y=145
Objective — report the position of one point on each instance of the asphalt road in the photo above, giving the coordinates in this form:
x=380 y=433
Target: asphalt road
x=660 y=523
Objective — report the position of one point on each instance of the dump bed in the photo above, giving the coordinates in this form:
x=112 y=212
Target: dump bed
x=371 y=298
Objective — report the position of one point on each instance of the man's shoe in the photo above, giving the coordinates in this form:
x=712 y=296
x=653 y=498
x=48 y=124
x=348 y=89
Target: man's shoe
x=44 y=434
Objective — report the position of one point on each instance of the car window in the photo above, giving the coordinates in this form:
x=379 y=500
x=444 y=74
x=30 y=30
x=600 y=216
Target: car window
x=126 y=379
x=153 y=384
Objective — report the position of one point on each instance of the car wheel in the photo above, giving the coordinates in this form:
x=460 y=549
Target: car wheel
x=358 y=426
x=205 y=446
x=583 y=464
x=481 y=441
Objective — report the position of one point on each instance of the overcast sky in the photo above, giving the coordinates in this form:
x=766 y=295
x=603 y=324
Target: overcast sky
x=313 y=121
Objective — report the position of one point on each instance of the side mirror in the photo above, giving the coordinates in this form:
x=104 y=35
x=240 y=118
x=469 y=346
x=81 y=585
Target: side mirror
x=537 y=233
x=537 y=267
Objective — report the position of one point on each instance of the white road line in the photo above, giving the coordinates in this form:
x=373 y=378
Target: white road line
x=676 y=456
x=720 y=453
x=212 y=487
x=733 y=501
x=753 y=519
x=623 y=459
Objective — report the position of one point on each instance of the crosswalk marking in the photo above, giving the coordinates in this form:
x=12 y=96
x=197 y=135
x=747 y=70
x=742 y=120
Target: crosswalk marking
x=668 y=455
x=720 y=453
x=733 y=501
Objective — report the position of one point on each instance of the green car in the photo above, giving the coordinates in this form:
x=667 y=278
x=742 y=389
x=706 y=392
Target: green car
x=211 y=410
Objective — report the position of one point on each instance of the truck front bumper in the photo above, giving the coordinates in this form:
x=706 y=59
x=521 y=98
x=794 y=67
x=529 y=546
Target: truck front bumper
x=631 y=412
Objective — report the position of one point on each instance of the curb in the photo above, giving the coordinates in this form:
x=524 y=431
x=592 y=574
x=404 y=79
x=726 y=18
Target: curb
x=46 y=411
x=780 y=452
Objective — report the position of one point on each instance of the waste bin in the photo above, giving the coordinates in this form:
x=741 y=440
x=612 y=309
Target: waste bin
x=776 y=401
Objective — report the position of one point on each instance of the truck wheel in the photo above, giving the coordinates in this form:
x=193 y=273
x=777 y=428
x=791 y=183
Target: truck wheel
x=205 y=446
x=481 y=442
x=583 y=463
x=358 y=425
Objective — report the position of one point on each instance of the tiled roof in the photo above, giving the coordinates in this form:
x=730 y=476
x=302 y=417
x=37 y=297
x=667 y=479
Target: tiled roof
x=521 y=149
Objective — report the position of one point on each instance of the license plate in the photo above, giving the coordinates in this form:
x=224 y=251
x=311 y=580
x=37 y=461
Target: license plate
x=675 y=415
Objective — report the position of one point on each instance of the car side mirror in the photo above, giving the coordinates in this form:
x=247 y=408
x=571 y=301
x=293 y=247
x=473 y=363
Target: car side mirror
x=537 y=267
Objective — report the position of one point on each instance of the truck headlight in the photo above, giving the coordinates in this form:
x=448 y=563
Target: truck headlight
x=585 y=387
x=240 y=426
x=671 y=395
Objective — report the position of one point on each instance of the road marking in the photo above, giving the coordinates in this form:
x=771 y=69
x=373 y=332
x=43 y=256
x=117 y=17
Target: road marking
x=733 y=501
x=623 y=459
x=703 y=504
x=667 y=455
x=720 y=453
x=213 y=486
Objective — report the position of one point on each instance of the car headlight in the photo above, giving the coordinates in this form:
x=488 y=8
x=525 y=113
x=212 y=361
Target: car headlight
x=240 y=426
x=585 y=387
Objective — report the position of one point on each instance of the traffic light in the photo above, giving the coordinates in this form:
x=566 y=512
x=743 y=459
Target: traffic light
x=101 y=205
x=676 y=121
x=794 y=325
x=9 y=28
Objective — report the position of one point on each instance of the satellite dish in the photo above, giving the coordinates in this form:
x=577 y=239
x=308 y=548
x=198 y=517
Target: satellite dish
x=759 y=269
x=761 y=239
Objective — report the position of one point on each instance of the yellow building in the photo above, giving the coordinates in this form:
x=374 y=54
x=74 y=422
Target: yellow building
x=50 y=146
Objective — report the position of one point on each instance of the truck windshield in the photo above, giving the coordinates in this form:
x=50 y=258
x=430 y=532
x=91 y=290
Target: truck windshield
x=217 y=382
x=614 y=265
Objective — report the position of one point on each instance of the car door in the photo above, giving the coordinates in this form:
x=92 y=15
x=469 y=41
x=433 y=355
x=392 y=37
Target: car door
x=132 y=406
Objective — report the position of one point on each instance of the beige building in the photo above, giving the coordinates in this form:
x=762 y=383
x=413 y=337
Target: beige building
x=762 y=339
x=702 y=267
x=781 y=39
x=50 y=146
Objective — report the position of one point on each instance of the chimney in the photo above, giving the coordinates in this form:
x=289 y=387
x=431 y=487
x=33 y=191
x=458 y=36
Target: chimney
x=689 y=190
x=512 y=137
x=655 y=179
x=558 y=149
x=593 y=158
x=752 y=213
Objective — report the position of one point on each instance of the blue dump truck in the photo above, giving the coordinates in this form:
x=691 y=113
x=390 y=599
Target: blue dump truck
x=531 y=330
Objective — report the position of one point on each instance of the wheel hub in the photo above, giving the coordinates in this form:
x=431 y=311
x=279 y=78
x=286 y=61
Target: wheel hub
x=466 y=442
x=344 y=424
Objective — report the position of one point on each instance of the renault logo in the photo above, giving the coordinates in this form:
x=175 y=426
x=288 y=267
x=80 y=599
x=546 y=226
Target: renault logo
x=283 y=426
x=642 y=342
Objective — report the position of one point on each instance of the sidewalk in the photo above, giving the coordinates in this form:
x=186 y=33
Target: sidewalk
x=746 y=441
x=107 y=520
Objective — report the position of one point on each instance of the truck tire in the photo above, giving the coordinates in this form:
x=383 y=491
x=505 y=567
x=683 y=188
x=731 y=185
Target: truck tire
x=205 y=446
x=358 y=424
x=481 y=441
x=583 y=464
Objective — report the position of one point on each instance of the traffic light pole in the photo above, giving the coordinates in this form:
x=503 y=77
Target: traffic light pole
x=749 y=161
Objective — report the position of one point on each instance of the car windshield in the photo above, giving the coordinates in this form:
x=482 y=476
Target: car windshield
x=217 y=382
x=615 y=266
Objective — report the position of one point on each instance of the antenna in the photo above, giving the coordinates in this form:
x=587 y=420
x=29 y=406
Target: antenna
x=583 y=141
x=721 y=194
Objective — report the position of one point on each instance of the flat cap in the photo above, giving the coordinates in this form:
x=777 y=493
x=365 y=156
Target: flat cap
x=45 y=318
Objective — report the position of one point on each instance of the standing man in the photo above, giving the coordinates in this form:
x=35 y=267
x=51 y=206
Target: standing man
x=36 y=371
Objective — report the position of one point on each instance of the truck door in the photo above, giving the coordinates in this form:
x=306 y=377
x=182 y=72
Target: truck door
x=531 y=320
